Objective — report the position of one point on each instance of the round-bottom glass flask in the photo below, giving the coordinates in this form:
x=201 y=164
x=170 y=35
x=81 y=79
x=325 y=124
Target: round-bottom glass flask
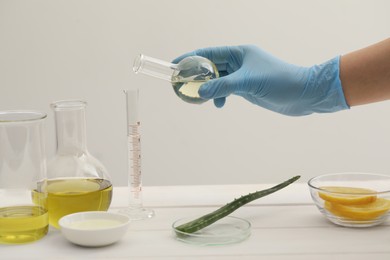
x=186 y=77
x=76 y=180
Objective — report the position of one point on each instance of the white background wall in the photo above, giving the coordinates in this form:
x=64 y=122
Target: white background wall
x=83 y=49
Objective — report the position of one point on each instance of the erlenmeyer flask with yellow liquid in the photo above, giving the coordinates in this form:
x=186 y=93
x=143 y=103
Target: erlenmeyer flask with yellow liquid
x=186 y=77
x=76 y=180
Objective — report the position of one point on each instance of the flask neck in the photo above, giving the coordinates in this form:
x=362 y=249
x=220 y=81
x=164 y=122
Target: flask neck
x=154 y=67
x=70 y=127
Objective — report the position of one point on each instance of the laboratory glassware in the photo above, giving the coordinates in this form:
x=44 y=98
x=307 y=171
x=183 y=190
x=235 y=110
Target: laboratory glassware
x=135 y=210
x=22 y=172
x=186 y=77
x=77 y=181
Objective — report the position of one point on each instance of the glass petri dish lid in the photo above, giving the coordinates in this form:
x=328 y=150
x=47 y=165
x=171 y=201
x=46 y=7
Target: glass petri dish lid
x=229 y=230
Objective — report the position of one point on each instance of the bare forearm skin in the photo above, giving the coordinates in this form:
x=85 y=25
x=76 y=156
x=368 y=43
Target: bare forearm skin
x=365 y=74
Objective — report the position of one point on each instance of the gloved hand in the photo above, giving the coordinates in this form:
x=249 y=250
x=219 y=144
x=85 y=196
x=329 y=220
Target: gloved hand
x=271 y=83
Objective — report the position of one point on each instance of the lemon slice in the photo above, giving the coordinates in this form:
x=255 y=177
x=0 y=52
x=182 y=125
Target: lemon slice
x=347 y=195
x=367 y=211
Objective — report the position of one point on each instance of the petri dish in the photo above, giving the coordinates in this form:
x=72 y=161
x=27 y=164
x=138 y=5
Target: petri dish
x=229 y=230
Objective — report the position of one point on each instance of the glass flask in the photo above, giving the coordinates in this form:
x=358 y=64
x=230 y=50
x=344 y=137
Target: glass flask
x=76 y=180
x=186 y=77
x=23 y=218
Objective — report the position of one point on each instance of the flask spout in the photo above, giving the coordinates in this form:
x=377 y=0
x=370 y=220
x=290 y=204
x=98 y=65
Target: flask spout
x=70 y=126
x=154 y=67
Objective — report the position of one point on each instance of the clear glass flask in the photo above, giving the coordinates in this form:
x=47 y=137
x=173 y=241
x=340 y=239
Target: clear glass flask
x=76 y=180
x=23 y=218
x=186 y=77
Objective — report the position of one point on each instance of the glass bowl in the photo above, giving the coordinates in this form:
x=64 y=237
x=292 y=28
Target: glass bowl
x=352 y=199
x=228 y=230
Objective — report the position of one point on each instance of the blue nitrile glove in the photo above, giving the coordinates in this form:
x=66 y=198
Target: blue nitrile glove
x=271 y=83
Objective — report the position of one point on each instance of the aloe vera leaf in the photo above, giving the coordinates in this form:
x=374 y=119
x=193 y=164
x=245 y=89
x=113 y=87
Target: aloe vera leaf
x=208 y=219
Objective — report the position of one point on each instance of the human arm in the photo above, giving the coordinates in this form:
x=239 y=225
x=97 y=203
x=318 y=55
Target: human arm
x=293 y=90
x=365 y=74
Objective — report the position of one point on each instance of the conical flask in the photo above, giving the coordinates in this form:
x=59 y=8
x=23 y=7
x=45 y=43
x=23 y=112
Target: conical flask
x=186 y=77
x=76 y=180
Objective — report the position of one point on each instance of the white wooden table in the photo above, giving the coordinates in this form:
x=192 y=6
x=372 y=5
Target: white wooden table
x=285 y=225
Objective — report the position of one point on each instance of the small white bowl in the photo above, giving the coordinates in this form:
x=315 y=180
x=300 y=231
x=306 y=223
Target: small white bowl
x=94 y=228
